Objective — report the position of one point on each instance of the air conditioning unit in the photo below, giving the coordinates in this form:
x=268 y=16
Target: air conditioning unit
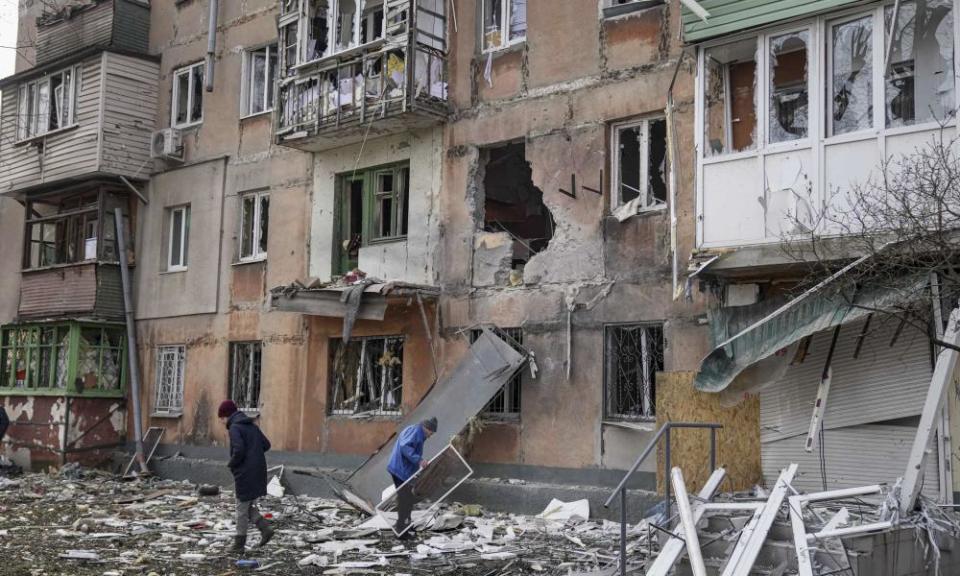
x=167 y=144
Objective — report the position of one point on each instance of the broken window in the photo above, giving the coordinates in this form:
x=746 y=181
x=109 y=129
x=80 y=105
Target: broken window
x=317 y=40
x=512 y=204
x=245 y=374
x=366 y=376
x=259 y=79
x=729 y=101
x=71 y=229
x=170 y=366
x=851 y=76
x=640 y=150
x=634 y=354
x=504 y=23
x=40 y=357
x=187 y=107
x=507 y=399
x=789 y=100
x=254 y=224
x=920 y=78
x=373 y=205
x=616 y=7
x=47 y=104
x=288 y=40
x=179 y=237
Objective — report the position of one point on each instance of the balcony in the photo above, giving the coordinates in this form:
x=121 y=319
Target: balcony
x=77 y=119
x=77 y=26
x=389 y=77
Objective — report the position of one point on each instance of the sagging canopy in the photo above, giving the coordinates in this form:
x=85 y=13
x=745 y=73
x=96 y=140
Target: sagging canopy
x=754 y=355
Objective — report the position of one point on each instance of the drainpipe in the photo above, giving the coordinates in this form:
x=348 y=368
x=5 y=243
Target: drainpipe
x=211 y=43
x=133 y=357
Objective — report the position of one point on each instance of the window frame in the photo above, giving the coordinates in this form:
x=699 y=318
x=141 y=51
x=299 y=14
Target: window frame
x=183 y=262
x=615 y=200
x=510 y=394
x=254 y=348
x=611 y=10
x=270 y=53
x=256 y=254
x=608 y=332
x=70 y=351
x=191 y=90
x=26 y=131
x=180 y=351
x=333 y=385
x=506 y=42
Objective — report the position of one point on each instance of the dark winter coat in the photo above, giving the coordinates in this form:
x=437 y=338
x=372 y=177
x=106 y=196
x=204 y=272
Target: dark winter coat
x=4 y=422
x=247 y=461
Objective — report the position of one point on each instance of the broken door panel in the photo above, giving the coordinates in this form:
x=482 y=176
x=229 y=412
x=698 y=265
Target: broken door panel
x=487 y=366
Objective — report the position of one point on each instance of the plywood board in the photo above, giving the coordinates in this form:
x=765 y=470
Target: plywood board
x=738 y=443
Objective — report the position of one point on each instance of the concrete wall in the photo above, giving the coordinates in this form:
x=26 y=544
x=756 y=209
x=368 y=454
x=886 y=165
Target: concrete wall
x=558 y=92
x=410 y=260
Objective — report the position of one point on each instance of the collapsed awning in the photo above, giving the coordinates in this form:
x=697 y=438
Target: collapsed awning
x=487 y=366
x=826 y=305
x=329 y=301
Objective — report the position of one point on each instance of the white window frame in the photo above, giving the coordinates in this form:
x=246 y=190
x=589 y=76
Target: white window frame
x=615 y=200
x=29 y=122
x=175 y=96
x=248 y=80
x=258 y=215
x=611 y=10
x=179 y=353
x=505 y=41
x=333 y=10
x=184 y=235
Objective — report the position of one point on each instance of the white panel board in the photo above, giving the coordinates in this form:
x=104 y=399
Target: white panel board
x=789 y=192
x=847 y=165
x=732 y=202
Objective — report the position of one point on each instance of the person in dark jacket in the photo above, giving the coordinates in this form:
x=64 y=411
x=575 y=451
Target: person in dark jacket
x=405 y=461
x=249 y=467
x=4 y=422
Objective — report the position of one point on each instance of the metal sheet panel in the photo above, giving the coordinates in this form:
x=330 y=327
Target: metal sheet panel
x=855 y=456
x=488 y=364
x=883 y=383
x=58 y=291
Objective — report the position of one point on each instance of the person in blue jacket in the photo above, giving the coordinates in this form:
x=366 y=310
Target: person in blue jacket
x=405 y=461
x=248 y=464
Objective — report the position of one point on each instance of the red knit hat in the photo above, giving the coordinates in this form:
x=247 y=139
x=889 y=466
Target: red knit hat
x=226 y=409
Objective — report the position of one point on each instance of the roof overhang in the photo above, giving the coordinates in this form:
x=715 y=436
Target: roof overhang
x=756 y=354
x=329 y=301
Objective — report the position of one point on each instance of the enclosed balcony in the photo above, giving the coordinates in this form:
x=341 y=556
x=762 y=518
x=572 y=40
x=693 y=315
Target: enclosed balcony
x=66 y=28
x=384 y=70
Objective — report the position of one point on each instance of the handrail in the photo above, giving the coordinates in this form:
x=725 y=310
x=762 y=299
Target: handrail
x=621 y=488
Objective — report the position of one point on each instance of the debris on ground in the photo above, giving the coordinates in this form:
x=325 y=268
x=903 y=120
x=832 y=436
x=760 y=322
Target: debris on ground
x=88 y=523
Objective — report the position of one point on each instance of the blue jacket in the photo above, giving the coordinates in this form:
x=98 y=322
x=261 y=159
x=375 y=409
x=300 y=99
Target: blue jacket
x=247 y=460
x=407 y=453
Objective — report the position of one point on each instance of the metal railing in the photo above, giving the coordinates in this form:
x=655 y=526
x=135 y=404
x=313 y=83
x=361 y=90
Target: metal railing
x=621 y=489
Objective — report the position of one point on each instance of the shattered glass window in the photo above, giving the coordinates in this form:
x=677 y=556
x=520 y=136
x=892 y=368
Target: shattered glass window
x=245 y=363
x=169 y=385
x=729 y=99
x=641 y=149
x=851 y=76
x=366 y=376
x=789 y=94
x=920 y=74
x=634 y=354
x=254 y=215
x=492 y=22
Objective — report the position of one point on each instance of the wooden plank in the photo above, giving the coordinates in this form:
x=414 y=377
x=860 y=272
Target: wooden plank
x=694 y=554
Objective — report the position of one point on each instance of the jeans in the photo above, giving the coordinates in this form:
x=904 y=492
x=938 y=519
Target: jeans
x=404 y=504
x=247 y=514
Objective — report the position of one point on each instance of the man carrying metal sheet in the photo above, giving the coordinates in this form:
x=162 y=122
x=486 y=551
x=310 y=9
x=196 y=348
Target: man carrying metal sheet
x=405 y=461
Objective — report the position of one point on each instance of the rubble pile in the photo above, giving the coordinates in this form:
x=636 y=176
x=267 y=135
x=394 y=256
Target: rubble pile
x=82 y=522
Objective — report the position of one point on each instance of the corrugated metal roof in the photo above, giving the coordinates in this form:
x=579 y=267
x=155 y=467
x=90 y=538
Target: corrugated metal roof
x=731 y=16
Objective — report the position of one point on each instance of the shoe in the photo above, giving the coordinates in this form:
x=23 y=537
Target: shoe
x=266 y=532
x=239 y=545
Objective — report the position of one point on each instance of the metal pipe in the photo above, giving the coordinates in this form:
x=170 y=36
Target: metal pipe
x=132 y=357
x=211 y=44
x=713 y=449
x=666 y=476
x=623 y=531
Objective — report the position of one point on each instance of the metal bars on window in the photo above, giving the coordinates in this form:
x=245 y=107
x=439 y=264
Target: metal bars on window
x=634 y=354
x=245 y=364
x=366 y=376
x=171 y=361
x=507 y=399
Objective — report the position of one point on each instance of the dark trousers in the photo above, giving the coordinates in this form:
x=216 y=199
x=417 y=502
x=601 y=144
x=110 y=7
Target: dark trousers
x=404 y=504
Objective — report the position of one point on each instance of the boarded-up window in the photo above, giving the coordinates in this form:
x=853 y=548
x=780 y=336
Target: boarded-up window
x=634 y=354
x=729 y=100
x=245 y=364
x=366 y=376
